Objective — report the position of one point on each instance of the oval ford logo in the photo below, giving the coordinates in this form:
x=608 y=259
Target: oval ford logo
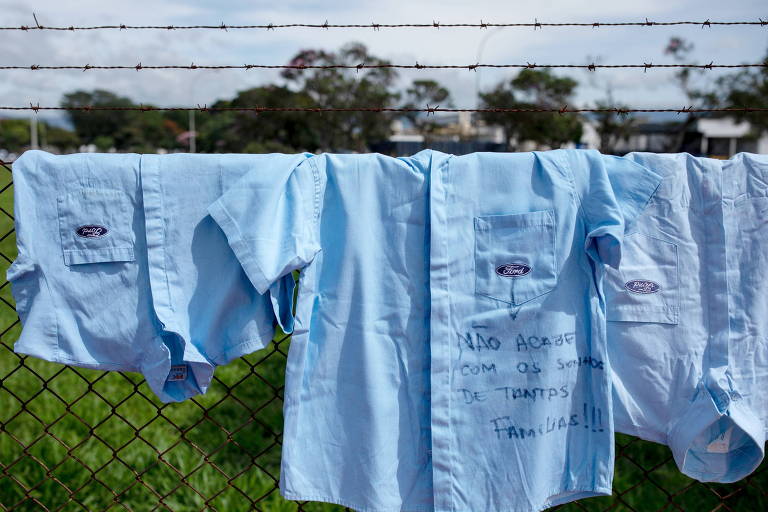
x=513 y=270
x=642 y=286
x=91 y=231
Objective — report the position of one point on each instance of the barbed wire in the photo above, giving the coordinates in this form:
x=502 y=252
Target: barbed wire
x=429 y=110
x=471 y=67
x=536 y=24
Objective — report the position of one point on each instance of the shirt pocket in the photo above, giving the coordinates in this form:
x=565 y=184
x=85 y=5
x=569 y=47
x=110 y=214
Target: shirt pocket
x=96 y=226
x=515 y=256
x=646 y=287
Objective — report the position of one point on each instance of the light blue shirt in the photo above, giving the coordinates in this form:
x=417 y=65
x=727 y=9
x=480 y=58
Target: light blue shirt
x=449 y=350
x=688 y=315
x=121 y=268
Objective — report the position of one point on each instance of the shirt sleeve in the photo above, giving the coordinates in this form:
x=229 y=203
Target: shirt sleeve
x=271 y=220
x=613 y=192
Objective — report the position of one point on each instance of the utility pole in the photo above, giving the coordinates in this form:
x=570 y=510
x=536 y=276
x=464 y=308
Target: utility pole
x=33 y=132
x=192 y=133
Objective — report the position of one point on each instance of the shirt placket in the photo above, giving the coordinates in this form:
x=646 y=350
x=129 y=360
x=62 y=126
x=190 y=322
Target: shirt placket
x=716 y=272
x=439 y=332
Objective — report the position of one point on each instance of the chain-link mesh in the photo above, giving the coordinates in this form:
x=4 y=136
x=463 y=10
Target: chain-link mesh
x=75 y=439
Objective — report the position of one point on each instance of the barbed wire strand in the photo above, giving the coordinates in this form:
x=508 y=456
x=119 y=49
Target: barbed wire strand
x=536 y=24
x=471 y=67
x=429 y=110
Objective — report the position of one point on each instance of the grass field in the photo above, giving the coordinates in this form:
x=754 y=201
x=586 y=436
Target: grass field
x=74 y=439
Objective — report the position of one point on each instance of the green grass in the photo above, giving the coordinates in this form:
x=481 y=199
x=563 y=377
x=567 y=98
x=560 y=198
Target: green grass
x=74 y=439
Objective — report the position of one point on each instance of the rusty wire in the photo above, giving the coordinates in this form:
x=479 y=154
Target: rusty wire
x=536 y=24
x=417 y=66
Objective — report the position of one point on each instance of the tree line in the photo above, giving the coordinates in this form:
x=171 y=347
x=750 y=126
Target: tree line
x=251 y=132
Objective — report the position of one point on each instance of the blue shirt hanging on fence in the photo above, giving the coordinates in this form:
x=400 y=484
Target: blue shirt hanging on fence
x=449 y=345
x=688 y=315
x=121 y=268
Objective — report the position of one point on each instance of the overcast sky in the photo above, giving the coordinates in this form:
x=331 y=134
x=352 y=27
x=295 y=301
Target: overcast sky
x=427 y=46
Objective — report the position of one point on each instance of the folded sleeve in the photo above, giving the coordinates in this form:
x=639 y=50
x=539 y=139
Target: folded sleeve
x=271 y=220
x=613 y=192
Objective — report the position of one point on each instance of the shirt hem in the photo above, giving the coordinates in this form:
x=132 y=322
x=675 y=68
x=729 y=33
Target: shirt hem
x=240 y=350
x=92 y=365
x=577 y=494
x=350 y=504
x=646 y=434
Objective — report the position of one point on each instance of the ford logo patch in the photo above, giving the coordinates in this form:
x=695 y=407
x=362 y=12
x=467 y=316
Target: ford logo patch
x=513 y=270
x=91 y=231
x=642 y=286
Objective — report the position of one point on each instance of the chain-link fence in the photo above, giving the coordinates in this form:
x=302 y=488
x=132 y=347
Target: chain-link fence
x=74 y=439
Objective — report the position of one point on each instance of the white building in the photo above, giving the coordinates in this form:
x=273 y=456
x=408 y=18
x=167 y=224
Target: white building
x=714 y=137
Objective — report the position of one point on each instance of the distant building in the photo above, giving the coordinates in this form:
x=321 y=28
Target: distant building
x=713 y=137
x=463 y=132
x=456 y=134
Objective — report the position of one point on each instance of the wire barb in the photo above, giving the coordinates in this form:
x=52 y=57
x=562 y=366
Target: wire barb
x=590 y=67
x=536 y=24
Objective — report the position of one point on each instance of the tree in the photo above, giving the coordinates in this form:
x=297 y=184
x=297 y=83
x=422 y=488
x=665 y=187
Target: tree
x=345 y=88
x=14 y=134
x=680 y=50
x=747 y=88
x=252 y=132
x=612 y=127
x=92 y=124
x=60 y=138
x=123 y=130
x=533 y=88
x=423 y=93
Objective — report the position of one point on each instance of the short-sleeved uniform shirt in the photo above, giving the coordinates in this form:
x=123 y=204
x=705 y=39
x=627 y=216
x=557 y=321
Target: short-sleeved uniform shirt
x=121 y=268
x=449 y=345
x=688 y=315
